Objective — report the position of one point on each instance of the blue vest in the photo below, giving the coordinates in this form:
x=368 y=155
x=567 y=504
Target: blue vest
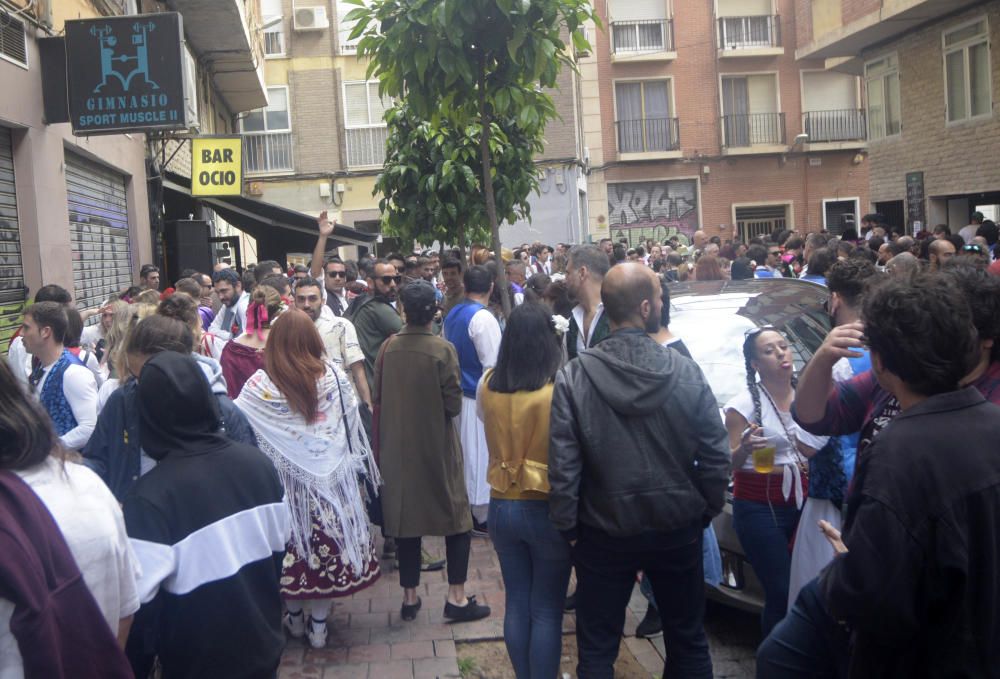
x=456 y=330
x=53 y=398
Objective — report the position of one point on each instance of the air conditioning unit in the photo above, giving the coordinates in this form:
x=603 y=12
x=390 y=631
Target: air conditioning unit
x=310 y=19
x=584 y=53
x=255 y=189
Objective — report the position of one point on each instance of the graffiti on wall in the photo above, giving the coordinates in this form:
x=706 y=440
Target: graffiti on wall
x=638 y=211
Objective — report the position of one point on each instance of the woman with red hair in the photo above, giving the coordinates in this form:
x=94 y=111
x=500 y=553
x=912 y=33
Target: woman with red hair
x=305 y=415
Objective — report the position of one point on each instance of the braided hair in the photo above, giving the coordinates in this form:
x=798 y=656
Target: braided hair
x=749 y=351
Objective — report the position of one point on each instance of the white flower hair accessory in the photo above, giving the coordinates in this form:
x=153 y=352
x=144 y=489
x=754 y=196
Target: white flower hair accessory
x=556 y=277
x=560 y=324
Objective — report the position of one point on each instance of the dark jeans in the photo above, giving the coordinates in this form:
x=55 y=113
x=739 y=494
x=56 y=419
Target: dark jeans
x=408 y=558
x=535 y=561
x=807 y=643
x=605 y=572
x=765 y=533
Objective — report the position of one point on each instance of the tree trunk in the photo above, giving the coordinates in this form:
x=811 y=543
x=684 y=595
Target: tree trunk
x=491 y=206
x=461 y=245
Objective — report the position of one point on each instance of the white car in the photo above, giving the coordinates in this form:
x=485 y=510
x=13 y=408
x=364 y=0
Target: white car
x=712 y=317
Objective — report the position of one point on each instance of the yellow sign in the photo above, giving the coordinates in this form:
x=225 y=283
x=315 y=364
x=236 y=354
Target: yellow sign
x=216 y=166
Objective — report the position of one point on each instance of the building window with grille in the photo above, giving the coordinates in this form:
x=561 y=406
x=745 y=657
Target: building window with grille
x=273 y=28
x=760 y=221
x=365 y=129
x=645 y=120
x=267 y=135
x=13 y=39
x=882 y=87
x=967 y=86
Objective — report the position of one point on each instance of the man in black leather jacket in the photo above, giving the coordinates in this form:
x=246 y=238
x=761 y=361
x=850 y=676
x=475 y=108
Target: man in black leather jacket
x=638 y=464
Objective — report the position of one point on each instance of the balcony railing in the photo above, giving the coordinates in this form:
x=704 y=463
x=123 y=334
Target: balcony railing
x=642 y=36
x=268 y=152
x=753 y=129
x=366 y=146
x=829 y=126
x=755 y=32
x=648 y=135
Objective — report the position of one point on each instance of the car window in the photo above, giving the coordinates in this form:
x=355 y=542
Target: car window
x=712 y=317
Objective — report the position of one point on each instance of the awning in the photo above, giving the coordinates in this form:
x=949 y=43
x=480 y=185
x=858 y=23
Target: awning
x=268 y=222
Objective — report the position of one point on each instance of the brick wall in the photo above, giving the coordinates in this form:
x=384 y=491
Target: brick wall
x=317 y=120
x=696 y=92
x=560 y=134
x=955 y=159
x=852 y=10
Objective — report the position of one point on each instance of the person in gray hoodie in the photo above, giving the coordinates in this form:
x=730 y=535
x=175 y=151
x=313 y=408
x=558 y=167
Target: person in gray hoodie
x=638 y=466
x=114 y=451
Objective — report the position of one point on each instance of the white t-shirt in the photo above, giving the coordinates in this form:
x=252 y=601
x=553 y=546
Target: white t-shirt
x=583 y=338
x=80 y=389
x=91 y=522
x=484 y=331
x=19 y=360
x=775 y=425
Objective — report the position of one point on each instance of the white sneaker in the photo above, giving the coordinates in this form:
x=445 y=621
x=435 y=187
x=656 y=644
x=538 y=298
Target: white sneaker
x=295 y=623
x=317 y=632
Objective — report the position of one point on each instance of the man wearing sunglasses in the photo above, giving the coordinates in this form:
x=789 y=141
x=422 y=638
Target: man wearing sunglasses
x=335 y=282
x=374 y=315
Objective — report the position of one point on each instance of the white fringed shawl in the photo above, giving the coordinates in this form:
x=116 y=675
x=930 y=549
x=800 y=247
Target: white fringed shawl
x=321 y=469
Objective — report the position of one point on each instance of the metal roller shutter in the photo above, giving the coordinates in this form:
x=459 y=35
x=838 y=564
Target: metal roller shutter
x=98 y=222
x=12 y=290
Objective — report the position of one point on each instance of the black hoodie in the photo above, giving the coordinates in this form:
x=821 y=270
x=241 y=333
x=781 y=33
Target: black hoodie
x=637 y=443
x=209 y=527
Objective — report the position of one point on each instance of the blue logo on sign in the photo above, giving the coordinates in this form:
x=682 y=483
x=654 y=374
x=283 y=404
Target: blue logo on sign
x=109 y=57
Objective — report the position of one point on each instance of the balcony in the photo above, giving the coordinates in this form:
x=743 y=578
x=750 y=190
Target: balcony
x=648 y=139
x=750 y=133
x=227 y=35
x=750 y=36
x=651 y=40
x=366 y=146
x=268 y=152
x=835 y=130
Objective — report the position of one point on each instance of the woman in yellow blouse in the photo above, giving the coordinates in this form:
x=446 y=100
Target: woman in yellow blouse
x=515 y=398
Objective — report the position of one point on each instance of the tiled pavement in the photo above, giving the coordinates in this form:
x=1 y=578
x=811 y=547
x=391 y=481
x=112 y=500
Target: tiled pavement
x=367 y=639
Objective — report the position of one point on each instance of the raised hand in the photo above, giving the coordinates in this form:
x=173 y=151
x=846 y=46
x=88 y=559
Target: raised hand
x=324 y=224
x=843 y=342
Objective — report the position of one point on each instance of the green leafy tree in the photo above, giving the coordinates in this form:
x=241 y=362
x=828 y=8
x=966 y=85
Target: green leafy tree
x=431 y=179
x=474 y=63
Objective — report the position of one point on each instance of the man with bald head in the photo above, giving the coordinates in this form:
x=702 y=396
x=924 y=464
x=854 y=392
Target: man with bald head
x=638 y=465
x=941 y=250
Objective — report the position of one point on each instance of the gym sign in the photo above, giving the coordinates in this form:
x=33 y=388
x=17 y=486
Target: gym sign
x=126 y=73
x=216 y=166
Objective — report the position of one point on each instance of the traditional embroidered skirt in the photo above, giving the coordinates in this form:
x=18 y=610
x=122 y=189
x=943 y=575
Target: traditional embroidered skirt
x=322 y=574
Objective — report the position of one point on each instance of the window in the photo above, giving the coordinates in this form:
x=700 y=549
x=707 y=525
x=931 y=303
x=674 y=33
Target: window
x=344 y=27
x=267 y=141
x=13 y=41
x=882 y=85
x=750 y=114
x=967 y=72
x=366 y=131
x=274 y=32
x=639 y=26
x=759 y=221
x=645 y=121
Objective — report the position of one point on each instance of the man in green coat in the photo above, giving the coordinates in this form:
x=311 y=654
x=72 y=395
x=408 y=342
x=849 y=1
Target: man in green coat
x=374 y=316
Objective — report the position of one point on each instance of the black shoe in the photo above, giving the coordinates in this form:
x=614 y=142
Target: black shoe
x=467 y=613
x=651 y=625
x=479 y=530
x=409 y=612
x=570 y=602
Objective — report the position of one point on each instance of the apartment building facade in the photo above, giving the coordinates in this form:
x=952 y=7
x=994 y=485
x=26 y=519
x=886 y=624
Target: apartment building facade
x=320 y=142
x=701 y=116
x=930 y=74
x=76 y=210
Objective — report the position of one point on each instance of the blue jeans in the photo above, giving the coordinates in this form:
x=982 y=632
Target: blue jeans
x=765 y=532
x=807 y=643
x=711 y=562
x=535 y=562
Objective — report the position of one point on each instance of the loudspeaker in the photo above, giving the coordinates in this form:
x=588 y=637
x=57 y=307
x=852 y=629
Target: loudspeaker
x=186 y=246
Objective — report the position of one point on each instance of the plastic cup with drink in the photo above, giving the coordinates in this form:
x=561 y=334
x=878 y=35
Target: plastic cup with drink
x=762 y=450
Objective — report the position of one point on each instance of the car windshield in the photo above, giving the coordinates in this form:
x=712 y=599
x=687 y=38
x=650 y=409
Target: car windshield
x=711 y=318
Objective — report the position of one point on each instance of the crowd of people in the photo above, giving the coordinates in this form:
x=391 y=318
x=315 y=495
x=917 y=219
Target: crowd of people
x=213 y=464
